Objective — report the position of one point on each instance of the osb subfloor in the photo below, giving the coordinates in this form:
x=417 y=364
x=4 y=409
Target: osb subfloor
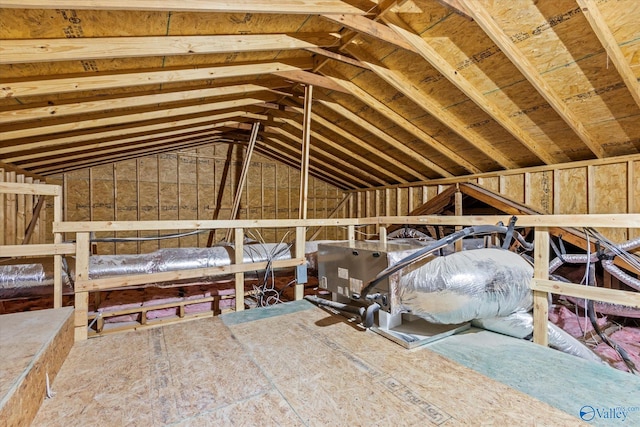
x=293 y=364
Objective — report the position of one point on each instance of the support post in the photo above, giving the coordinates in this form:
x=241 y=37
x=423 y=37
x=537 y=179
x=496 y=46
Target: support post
x=243 y=175
x=458 y=211
x=82 y=297
x=301 y=276
x=383 y=235
x=540 y=299
x=351 y=233
x=306 y=142
x=239 y=258
x=57 y=259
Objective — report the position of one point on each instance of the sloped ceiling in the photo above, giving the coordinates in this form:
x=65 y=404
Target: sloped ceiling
x=403 y=91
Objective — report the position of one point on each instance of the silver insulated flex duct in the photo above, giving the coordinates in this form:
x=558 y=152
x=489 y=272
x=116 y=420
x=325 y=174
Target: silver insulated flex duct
x=19 y=280
x=466 y=285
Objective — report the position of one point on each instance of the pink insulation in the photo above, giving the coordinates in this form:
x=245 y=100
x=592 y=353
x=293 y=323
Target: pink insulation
x=629 y=339
x=194 y=293
x=157 y=296
x=576 y=326
x=122 y=300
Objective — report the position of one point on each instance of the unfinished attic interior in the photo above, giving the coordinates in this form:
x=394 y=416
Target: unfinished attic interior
x=320 y=212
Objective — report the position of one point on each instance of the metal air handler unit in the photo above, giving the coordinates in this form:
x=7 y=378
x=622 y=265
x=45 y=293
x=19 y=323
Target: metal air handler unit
x=344 y=268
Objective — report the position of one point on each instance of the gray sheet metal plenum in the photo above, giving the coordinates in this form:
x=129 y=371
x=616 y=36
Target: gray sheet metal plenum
x=466 y=285
x=20 y=280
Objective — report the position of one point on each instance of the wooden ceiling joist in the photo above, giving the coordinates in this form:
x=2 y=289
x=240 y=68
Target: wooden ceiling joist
x=82 y=49
x=482 y=17
x=103 y=81
x=223 y=6
x=425 y=50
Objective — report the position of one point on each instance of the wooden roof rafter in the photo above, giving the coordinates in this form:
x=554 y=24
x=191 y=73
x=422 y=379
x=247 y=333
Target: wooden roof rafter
x=448 y=71
x=286 y=140
x=349 y=154
x=274 y=149
x=286 y=131
x=482 y=17
x=223 y=6
x=404 y=86
x=130 y=141
x=327 y=124
x=116 y=133
x=101 y=81
x=608 y=41
x=134 y=116
x=377 y=132
x=91 y=48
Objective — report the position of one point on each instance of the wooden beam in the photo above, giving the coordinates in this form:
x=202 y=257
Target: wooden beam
x=131 y=117
x=85 y=161
x=371 y=28
x=390 y=114
x=132 y=100
x=280 y=150
x=338 y=167
x=613 y=296
x=304 y=161
x=449 y=71
x=84 y=83
x=222 y=6
x=348 y=154
x=603 y=32
x=16 y=51
x=339 y=206
x=336 y=56
x=429 y=105
x=308 y=78
x=370 y=148
x=377 y=132
x=484 y=19
x=540 y=301
x=243 y=174
x=35 y=217
x=212 y=123
x=81 y=152
x=337 y=164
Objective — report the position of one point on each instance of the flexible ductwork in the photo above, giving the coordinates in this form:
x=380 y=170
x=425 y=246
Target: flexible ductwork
x=520 y=325
x=608 y=308
x=29 y=279
x=466 y=285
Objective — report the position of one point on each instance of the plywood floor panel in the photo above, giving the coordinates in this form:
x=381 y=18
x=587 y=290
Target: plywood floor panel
x=293 y=364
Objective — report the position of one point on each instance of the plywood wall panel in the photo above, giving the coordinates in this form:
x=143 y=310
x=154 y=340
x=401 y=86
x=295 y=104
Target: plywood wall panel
x=513 y=185
x=571 y=196
x=539 y=191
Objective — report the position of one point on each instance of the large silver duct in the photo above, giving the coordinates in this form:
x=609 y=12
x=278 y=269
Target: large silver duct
x=18 y=280
x=520 y=325
x=467 y=285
